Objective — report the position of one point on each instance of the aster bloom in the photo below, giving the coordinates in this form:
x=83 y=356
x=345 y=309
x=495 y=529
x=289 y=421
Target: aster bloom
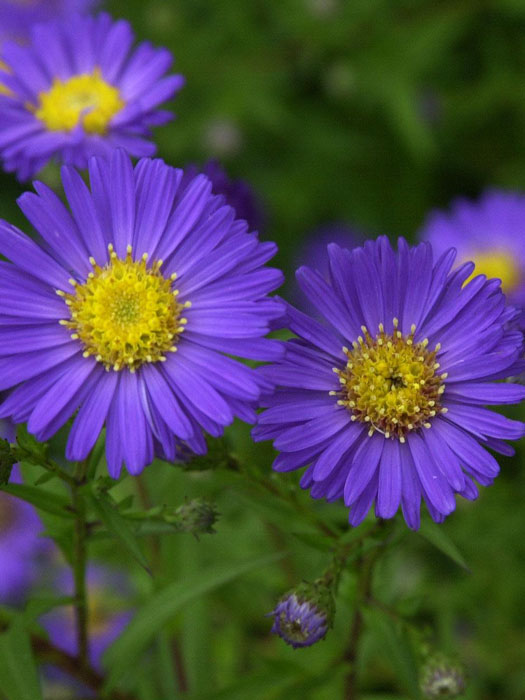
x=107 y=616
x=385 y=400
x=125 y=310
x=21 y=547
x=491 y=232
x=237 y=193
x=79 y=89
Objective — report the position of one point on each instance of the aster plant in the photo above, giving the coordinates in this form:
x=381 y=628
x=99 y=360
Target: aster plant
x=384 y=401
x=78 y=89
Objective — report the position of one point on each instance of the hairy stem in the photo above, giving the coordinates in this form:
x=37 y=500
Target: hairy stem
x=79 y=564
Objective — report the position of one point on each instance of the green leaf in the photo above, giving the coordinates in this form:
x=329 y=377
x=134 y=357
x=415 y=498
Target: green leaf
x=18 y=672
x=43 y=604
x=397 y=648
x=162 y=606
x=42 y=499
x=435 y=534
x=118 y=526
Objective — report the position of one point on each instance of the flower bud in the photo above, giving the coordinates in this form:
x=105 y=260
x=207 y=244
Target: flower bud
x=196 y=517
x=303 y=616
x=441 y=677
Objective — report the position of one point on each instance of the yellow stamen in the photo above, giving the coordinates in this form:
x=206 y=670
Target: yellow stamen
x=390 y=383
x=125 y=314
x=85 y=99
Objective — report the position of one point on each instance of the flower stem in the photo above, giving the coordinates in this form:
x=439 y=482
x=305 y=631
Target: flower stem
x=365 y=567
x=79 y=563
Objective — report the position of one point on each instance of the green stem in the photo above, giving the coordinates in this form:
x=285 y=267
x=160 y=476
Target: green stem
x=79 y=563
x=365 y=567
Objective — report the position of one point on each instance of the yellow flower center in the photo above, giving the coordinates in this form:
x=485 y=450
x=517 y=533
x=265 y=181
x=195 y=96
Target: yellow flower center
x=85 y=99
x=498 y=263
x=126 y=313
x=391 y=383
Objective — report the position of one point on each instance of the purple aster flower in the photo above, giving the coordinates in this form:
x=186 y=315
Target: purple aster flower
x=385 y=399
x=299 y=621
x=129 y=308
x=237 y=193
x=107 y=616
x=79 y=89
x=21 y=546
x=491 y=232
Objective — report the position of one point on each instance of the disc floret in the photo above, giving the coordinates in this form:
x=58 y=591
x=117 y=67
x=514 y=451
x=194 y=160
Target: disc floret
x=86 y=99
x=126 y=312
x=391 y=383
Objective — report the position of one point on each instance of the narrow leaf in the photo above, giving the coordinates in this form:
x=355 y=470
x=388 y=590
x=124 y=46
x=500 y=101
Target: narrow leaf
x=119 y=527
x=41 y=499
x=435 y=535
x=18 y=672
x=162 y=606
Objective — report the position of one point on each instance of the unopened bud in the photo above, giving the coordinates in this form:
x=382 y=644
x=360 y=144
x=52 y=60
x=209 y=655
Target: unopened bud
x=196 y=517
x=304 y=615
x=442 y=677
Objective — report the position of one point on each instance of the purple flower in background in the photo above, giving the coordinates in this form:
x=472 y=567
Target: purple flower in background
x=21 y=547
x=18 y=16
x=490 y=232
x=384 y=399
x=107 y=614
x=313 y=252
x=129 y=308
x=80 y=89
x=237 y=193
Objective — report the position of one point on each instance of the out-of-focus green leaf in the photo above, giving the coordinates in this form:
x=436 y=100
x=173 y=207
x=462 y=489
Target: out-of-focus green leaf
x=397 y=648
x=18 y=672
x=118 y=526
x=436 y=535
x=163 y=605
x=42 y=499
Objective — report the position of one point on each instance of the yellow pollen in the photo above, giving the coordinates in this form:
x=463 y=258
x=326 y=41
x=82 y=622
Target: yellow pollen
x=85 y=99
x=497 y=262
x=125 y=314
x=390 y=383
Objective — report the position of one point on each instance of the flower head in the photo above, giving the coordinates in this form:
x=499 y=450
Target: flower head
x=384 y=400
x=303 y=616
x=79 y=89
x=490 y=232
x=127 y=310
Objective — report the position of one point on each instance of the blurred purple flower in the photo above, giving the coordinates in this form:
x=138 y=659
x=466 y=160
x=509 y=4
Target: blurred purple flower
x=237 y=194
x=490 y=232
x=18 y=16
x=21 y=547
x=107 y=616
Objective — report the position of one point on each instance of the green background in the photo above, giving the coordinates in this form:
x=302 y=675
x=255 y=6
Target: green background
x=371 y=112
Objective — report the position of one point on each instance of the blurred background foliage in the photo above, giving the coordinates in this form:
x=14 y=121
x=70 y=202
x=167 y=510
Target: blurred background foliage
x=371 y=112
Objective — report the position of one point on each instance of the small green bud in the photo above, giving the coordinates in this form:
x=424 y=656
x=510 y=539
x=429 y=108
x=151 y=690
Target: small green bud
x=442 y=677
x=196 y=517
